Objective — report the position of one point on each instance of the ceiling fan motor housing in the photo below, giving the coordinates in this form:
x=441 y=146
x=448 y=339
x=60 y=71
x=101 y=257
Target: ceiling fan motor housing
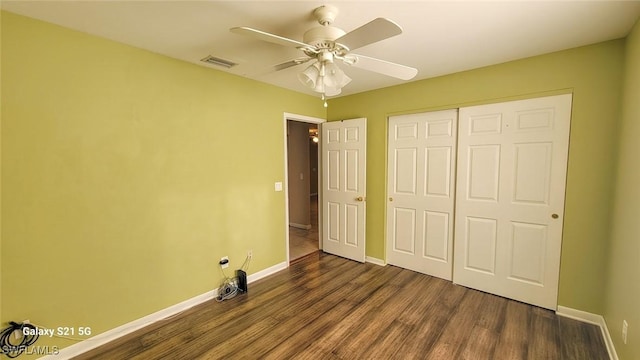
x=322 y=36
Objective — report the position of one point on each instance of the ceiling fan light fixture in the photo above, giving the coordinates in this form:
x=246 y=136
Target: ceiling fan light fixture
x=336 y=77
x=310 y=75
x=345 y=81
x=325 y=78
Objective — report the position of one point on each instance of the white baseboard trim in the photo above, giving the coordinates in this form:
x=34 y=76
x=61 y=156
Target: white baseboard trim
x=300 y=226
x=375 y=261
x=266 y=272
x=115 y=333
x=591 y=319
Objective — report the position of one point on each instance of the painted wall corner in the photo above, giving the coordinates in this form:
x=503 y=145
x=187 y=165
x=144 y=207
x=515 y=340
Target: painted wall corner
x=622 y=291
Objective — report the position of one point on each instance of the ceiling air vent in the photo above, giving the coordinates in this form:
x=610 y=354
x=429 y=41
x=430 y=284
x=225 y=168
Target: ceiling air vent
x=220 y=62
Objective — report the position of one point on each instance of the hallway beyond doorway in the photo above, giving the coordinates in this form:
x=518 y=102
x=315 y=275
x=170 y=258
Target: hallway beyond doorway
x=303 y=242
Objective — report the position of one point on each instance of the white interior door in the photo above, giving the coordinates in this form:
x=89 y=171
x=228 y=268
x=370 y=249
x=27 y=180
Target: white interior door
x=344 y=188
x=512 y=161
x=421 y=164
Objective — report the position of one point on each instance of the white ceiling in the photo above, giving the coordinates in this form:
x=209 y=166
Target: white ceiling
x=440 y=37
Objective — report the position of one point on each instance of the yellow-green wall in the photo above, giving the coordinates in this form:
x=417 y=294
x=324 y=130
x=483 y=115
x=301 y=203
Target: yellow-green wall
x=623 y=277
x=0 y=173
x=593 y=74
x=127 y=175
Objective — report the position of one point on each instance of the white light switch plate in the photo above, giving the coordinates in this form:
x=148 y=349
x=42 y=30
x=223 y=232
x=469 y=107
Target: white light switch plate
x=278 y=186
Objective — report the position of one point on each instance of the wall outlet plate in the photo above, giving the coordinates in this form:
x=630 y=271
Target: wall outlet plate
x=224 y=262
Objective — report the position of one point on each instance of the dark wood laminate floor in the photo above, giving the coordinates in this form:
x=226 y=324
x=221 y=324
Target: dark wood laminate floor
x=326 y=307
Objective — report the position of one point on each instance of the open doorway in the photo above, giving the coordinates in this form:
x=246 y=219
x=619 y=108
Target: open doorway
x=302 y=189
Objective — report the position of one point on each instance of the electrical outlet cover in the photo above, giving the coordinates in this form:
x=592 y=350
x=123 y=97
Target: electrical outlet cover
x=224 y=262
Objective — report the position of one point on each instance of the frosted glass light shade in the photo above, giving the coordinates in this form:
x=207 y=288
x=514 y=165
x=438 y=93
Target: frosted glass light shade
x=310 y=75
x=329 y=82
x=334 y=76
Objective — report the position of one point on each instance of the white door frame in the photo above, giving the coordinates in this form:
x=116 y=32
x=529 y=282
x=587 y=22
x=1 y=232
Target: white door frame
x=310 y=120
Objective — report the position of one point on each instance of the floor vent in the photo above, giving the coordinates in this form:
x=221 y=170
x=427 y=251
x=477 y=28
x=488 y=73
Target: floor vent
x=218 y=61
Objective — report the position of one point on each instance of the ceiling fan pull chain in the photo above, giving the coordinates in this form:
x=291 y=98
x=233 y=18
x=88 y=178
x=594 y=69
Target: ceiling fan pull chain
x=324 y=98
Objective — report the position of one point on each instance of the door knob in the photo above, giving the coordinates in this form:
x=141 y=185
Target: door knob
x=359 y=198
x=390 y=199
x=554 y=216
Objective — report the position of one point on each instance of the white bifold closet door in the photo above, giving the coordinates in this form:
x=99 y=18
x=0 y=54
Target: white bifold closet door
x=421 y=158
x=511 y=172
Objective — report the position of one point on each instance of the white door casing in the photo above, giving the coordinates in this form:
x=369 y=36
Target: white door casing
x=511 y=175
x=344 y=188
x=420 y=204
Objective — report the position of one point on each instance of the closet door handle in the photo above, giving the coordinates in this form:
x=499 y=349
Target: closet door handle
x=554 y=216
x=359 y=198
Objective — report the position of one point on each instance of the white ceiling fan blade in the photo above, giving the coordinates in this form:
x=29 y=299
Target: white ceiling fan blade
x=373 y=31
x=383 y=67
x=290 y=63
x=265 y=36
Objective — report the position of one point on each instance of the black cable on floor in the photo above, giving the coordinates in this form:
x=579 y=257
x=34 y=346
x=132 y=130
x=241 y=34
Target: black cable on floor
x=14 y=350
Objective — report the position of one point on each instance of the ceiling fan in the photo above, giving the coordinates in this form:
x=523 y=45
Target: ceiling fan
x=325 y=44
